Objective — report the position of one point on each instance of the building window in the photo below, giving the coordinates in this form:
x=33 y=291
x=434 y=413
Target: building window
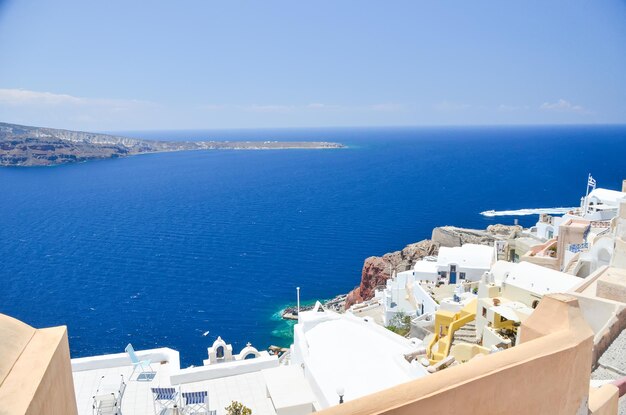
x=462 y=275
x=484 y=312
x=535 y=303
x=502 y=319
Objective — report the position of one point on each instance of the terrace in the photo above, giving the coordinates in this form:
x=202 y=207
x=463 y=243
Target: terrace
x=101 y=373
x=545 y=255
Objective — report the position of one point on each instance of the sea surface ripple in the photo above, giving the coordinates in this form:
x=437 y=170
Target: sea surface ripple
x=159 y=249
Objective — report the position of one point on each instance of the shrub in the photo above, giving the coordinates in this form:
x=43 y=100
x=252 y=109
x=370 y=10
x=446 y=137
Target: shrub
x=400 y=324
x=237 y=408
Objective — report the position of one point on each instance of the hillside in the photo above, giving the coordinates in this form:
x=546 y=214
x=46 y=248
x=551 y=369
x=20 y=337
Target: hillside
x=39 y=146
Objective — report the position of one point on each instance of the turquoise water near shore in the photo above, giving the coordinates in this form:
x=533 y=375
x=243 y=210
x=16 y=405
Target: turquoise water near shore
x=159 y=249
x=283 y=330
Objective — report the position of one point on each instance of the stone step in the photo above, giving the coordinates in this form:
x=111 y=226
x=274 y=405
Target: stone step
x=466 y=334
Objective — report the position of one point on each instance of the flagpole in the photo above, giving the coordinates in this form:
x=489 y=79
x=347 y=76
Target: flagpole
x=586 y=195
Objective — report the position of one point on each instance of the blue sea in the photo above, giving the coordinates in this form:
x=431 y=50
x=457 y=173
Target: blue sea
x=158 y=249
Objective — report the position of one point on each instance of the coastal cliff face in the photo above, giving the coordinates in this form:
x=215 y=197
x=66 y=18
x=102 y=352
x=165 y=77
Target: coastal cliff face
x=377 y=270
x=37 y=146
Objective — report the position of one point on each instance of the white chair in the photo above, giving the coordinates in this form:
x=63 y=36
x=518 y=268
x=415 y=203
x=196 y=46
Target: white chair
x=109 y=403
x=142 y=365
x=164 y=399
x=196 y=403
x=106 y=404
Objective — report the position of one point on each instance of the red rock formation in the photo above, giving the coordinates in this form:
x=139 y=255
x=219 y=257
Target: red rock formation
x=376 y=270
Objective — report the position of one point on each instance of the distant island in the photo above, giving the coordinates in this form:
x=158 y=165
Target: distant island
x=38 y=146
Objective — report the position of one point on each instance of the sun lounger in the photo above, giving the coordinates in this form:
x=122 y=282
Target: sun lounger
x=142 y=365
x=196 y=403
x=164 y=398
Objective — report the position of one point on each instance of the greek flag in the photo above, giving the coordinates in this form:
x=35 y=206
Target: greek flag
x=591 y=182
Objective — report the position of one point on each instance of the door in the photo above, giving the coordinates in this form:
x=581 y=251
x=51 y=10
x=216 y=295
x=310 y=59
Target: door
x=452 y=274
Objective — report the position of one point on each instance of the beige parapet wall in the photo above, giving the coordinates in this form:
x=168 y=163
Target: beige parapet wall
x=35 y=371
x=547 y=373
x=604 y=401
x=606 y=317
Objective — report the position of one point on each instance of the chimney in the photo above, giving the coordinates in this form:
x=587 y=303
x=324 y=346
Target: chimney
x=624 y=186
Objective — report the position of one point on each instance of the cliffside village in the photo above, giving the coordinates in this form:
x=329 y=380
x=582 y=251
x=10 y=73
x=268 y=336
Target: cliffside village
x=506 y=320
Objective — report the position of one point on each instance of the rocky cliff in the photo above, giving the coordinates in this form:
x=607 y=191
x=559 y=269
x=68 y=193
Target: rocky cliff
x=453 y=236
x=37 y=146
x=377 y=270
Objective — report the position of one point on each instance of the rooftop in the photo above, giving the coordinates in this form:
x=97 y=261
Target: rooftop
x=349 y=352
x=425 y=266
x=607 y=196
x=248 y=389
x=540 y=280
x=468 y=255
x=577 y=223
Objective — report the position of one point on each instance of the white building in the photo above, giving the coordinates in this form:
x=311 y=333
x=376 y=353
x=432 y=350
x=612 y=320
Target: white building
x=426 y=269
x=457 y=301
x=510 y=291
x=454 y=265
x=341 y=353
x=464 y=263
x=602 y=204
x=404 y=295
x=599 y=205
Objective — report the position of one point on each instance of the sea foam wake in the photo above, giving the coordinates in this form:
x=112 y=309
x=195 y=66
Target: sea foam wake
x=524 y=212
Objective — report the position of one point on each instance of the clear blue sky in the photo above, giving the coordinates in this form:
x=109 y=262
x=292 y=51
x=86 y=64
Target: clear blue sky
x=119 y=65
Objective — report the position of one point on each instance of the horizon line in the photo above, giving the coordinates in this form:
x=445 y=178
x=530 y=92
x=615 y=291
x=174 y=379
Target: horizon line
x=346 y=127
x=373 y=127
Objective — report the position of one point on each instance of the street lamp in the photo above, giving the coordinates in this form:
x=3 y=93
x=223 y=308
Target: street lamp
x=298 y=302
x=340 y=391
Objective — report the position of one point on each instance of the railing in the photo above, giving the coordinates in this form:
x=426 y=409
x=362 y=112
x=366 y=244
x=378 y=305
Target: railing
x=575 y=248
x=106 y=361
